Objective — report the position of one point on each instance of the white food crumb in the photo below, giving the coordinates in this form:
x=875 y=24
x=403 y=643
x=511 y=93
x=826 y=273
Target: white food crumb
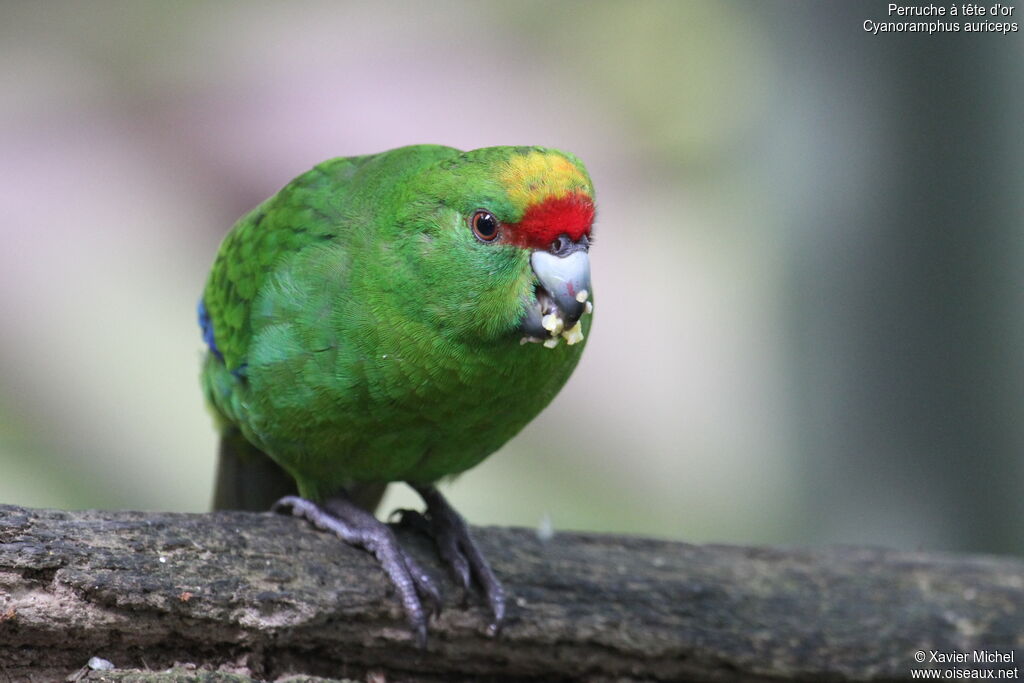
x=163 y=559
x=551 y=343
x=545 y=529
x=100 y=664
x=589 y=308
x=553 y=324
x=582 y=296
x=574 y=335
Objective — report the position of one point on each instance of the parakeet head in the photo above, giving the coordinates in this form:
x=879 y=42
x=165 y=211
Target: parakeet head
x=503 y=241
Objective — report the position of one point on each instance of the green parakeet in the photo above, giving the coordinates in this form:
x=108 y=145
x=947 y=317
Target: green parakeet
x=395 y=317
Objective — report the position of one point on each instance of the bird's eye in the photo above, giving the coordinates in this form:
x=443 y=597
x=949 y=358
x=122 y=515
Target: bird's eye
x=485 y=226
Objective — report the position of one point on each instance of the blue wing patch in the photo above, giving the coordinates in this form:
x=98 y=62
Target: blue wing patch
x=206 y=325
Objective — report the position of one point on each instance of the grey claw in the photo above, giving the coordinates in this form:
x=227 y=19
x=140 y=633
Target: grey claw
x=358 y=527
x=420 y=634
x=448 y=549
x=456 y=547
x=425 y=585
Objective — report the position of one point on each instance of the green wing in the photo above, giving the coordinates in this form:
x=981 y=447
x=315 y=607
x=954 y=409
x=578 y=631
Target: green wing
x=313 y=208
x=304 y=212
x=278 y=276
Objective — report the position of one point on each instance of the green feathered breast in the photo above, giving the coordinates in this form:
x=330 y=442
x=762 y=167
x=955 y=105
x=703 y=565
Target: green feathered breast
x=360 y=332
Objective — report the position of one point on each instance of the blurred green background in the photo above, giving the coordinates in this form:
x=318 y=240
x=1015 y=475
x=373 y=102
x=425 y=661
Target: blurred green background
x=810 y=302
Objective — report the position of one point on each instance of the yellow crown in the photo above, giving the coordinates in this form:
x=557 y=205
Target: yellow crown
x=535 y=176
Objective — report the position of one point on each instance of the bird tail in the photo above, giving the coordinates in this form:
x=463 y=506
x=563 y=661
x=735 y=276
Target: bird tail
x=247 y=479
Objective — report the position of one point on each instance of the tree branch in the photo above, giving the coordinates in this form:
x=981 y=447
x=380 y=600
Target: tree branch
x=267 y=596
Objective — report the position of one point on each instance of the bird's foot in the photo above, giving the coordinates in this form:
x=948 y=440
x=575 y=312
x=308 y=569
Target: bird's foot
x=357 y=527
x=457 y=549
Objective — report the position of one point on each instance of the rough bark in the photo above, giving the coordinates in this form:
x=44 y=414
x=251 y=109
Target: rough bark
x=239 y=595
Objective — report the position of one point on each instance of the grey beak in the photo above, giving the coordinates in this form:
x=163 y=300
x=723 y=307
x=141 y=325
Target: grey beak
x=564 y=290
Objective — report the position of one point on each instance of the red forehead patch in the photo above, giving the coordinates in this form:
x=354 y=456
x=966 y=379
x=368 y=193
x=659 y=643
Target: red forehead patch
x=542 y=223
